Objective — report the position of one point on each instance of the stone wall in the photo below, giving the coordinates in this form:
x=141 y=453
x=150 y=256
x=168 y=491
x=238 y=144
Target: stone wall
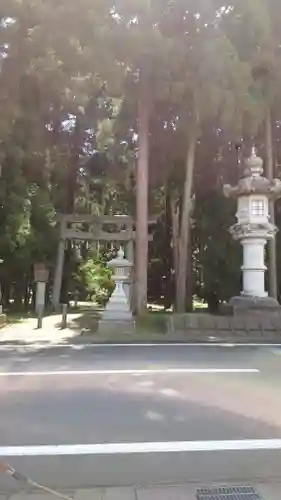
x=204 y=327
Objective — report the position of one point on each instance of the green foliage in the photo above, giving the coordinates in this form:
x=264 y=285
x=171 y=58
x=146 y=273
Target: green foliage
x=153 y=322
x=96 y=278
x=217 y=257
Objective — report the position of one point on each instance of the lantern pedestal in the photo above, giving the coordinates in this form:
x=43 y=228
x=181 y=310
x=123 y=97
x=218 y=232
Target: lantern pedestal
x=253 y=268
x=243 y=304
x=109 y=326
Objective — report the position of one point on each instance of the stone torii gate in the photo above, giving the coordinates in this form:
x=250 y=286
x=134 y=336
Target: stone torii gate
x=98 y=231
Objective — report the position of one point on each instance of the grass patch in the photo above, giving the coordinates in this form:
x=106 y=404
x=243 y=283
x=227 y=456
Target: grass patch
x=17 y=317
x=153 y=322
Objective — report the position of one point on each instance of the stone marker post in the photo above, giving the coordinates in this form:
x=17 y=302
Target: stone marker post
x=41 y=276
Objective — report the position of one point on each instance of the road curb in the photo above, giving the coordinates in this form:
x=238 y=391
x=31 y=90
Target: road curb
x=88 y=341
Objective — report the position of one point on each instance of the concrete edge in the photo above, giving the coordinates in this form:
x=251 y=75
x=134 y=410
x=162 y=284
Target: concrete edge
x=175 y=491
x=87 y=341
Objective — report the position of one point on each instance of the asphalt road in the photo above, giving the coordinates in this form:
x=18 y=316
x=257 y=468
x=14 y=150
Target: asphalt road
x=116 y=399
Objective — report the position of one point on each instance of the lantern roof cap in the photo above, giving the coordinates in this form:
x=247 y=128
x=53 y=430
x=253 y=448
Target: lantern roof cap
x=253 y=181
x=254 y=165
x=120 y=260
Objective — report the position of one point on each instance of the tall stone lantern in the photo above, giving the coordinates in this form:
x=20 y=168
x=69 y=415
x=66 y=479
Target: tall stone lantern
x=253 y=229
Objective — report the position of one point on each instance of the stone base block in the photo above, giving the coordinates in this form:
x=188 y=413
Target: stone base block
x=3 y=320
x=114 y=315
x=111 y=326
x=244 y=304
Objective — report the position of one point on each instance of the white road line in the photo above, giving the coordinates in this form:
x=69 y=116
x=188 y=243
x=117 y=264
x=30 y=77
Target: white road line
x=49 y=345
x=140 y=447
x=150 y=344
x=159 y=371
x=176 y=344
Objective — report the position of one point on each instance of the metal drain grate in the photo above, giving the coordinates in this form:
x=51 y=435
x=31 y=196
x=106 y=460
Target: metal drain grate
x=228 y=493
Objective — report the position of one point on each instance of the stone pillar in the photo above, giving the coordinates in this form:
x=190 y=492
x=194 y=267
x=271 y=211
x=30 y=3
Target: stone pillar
x=41 y=276
x=131 y=283
x=130 y=252
x=58 y=275
x=59 y=266
x=40 y=296
x=253 y=267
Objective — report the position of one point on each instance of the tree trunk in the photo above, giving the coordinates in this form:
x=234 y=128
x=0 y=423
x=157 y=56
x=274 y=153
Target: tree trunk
x=213 y=303
x=27 y=296
x=185 y=224
x=175 y=217
x=168 y=257
x=70 y=208
x=272 y=267
x=73 y=167
x=6 y=292
x=189 y=281
x=142 y=197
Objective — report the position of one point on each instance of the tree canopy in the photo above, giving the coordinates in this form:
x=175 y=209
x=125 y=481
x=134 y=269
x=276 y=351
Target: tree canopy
x=71 y=76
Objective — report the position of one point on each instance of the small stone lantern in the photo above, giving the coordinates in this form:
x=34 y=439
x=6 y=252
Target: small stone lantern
x=121 y=266
x=253 y=229
x=117 y=313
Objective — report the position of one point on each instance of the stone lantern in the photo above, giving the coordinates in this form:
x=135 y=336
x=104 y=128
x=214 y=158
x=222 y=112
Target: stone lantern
x=253 y=229
x=117 y=314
